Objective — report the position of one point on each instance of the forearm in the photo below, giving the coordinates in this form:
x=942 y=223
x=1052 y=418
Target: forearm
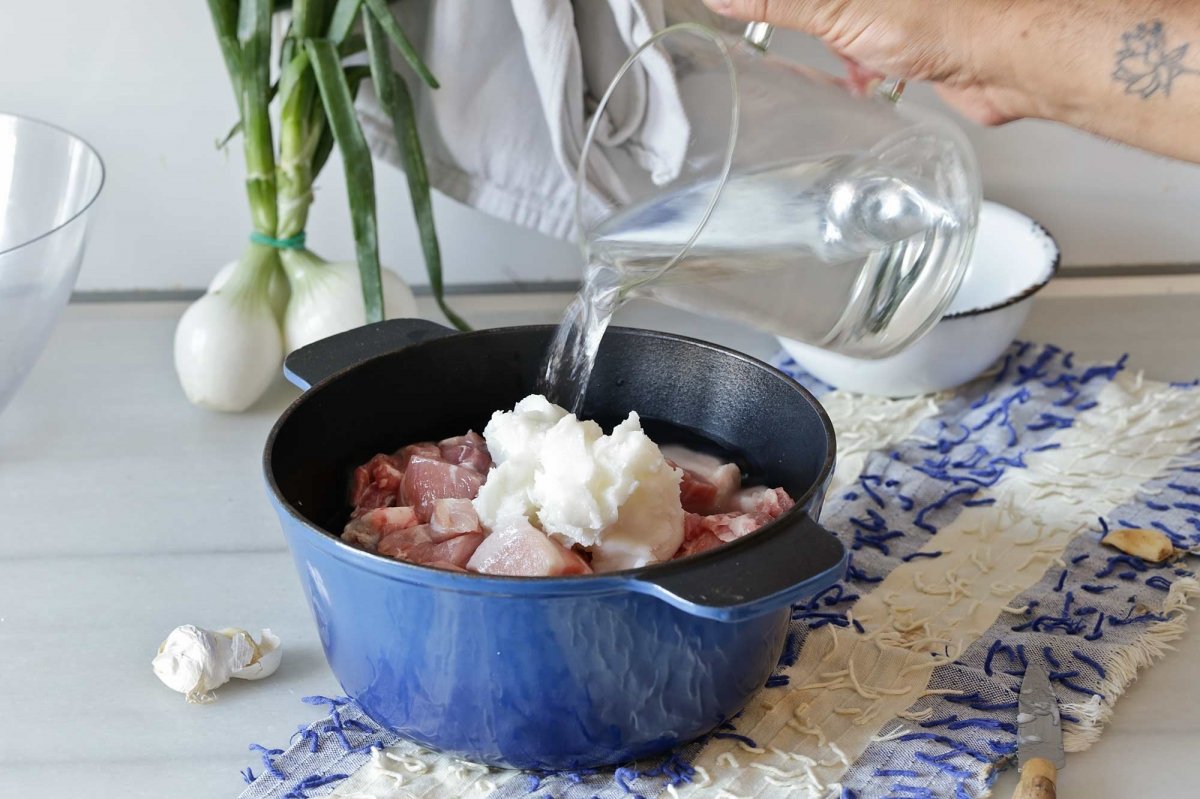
x=1125 y=69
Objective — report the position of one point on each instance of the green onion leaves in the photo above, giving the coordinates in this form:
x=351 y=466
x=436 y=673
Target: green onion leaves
x=316 y=90
x=360 y=176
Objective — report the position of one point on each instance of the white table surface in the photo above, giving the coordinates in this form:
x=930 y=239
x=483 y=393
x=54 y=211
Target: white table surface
x=124 y=512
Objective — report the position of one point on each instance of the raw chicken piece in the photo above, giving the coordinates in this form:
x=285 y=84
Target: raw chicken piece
x=376 y=484
x=517 y=548
x=456 y=551
x=759 y=506
x=708 y=483
x=699 y=494
x=469 y=450
x=732 y=526
x=697 y=537
x=427 y=480
x=405 y=544
x=771 y=502
x=696 y=494
x=367 y=530
x=453 y=517
x=416 y=545
x=702 y=543
x=426 y=449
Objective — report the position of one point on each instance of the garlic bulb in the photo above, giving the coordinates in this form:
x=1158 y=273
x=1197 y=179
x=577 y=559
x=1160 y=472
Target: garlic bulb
x=195 y=661
x=326 y=298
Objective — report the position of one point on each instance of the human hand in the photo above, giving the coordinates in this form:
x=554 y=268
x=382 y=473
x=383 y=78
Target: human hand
x=955 y=44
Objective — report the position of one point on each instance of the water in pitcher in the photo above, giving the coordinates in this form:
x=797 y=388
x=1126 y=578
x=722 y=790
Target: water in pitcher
x=832 y=252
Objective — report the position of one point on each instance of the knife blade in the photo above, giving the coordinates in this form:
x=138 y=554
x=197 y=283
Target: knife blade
x=1039 y=726
x=1039 y=736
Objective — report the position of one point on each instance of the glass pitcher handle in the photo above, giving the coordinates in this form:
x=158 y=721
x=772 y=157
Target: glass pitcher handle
x=758 y=35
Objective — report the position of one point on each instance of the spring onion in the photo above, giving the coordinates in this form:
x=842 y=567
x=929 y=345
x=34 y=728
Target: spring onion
x=279 y=295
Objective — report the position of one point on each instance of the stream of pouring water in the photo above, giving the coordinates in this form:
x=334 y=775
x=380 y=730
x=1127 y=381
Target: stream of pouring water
x=572 y=354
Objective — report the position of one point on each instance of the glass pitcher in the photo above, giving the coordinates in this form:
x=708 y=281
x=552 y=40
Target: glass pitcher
x=775 y=195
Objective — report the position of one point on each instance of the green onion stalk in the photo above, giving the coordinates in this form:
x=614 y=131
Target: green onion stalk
x=279 y=295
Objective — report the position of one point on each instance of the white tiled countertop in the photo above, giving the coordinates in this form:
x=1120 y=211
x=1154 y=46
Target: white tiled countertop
x=125 y=512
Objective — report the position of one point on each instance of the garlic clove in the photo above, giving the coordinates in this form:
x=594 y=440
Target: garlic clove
x=1149 y=545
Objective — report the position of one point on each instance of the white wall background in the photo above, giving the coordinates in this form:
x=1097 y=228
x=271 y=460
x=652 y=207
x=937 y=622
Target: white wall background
x=142 y=80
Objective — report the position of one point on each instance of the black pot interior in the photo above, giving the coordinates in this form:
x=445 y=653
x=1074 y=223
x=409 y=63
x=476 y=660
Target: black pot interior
x=685 y=391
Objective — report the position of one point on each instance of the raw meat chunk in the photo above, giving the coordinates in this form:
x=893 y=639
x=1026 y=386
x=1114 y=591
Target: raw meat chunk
x=457 y=550
x=517 y=548
x=702 y=533
x=427 y=480
x=416 y=545
x=708 y=483
x=702 y=544
x=771 y=502
x=427 y=449
x=756 y=507
x=407 y=543
x=453 y=517
x=697 y=537
x=732 y=526
x=367 y=530
x=696 y=494
x=376 y=484
x=699 y=494
x=469 y=450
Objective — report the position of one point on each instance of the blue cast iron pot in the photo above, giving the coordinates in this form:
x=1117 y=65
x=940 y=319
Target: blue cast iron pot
x=548 y=673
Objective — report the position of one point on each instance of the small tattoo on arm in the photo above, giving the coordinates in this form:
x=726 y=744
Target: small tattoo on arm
x=1144 y=64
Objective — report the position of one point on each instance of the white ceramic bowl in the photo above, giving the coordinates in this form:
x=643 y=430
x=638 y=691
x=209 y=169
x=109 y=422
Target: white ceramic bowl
x=1014 y=258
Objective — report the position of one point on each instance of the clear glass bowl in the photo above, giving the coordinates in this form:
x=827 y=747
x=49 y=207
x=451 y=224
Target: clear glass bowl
x=49 y=180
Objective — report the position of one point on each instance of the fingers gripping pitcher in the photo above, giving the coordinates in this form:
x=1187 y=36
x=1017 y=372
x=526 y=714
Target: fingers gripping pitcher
x=767 y=193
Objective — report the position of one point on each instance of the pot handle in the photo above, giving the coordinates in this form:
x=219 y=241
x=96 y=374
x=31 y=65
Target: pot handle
x=763 y=572
x=314 y=362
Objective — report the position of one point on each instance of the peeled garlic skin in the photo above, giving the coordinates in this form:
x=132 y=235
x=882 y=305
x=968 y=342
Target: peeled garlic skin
x=327 y=299
x=1149 y=545
x=268 y=653
x=228 y=351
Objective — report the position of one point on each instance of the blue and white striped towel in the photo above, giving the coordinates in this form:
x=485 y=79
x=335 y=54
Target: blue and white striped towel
x=974 y=519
